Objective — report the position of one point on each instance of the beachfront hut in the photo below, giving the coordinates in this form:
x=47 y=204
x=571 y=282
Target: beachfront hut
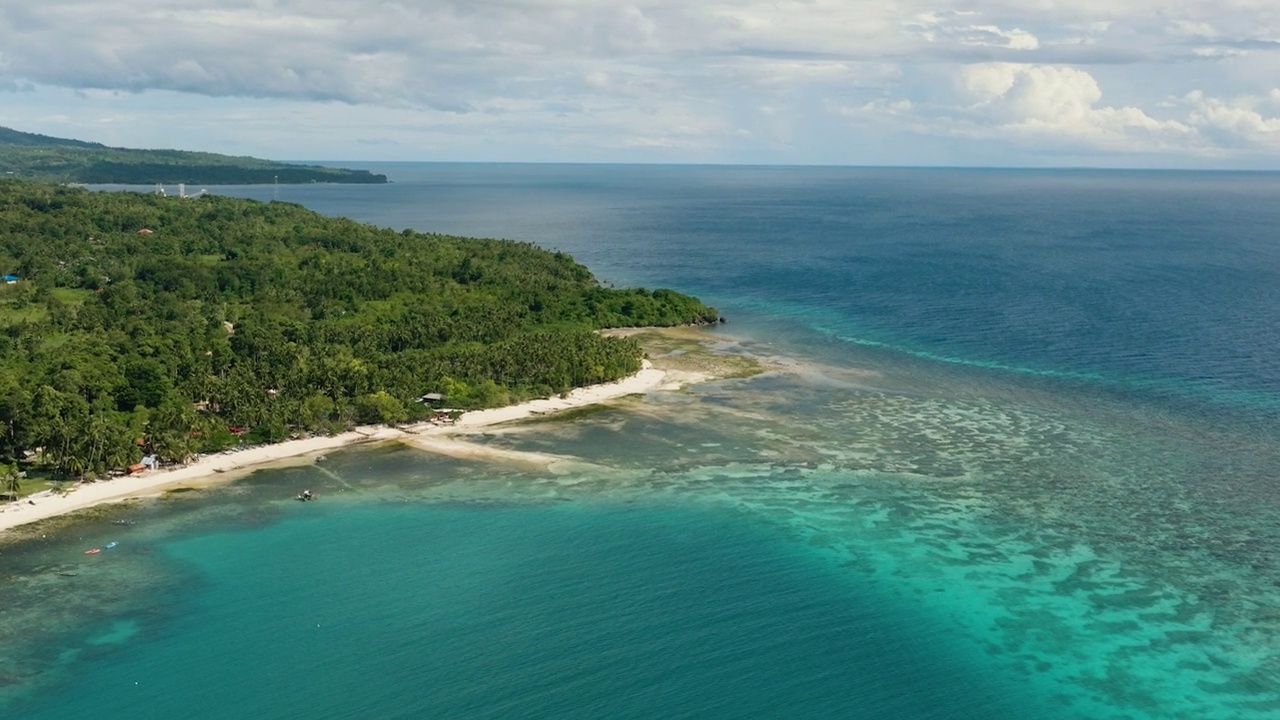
x=11 y=279
x=431 y=398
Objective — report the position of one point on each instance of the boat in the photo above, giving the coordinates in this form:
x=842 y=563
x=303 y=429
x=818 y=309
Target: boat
x=111 y=544
x=94 y=551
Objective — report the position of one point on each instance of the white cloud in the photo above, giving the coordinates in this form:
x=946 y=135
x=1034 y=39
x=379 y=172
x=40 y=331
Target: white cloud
x=1237 y=122
x=1057 y=107
x=1044 y=104
x=1045 y=98
x=691 y=77
x=959 y=28
x=1217 y=52
x=1192 y=29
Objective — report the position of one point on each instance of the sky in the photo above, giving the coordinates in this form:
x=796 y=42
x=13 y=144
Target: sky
x=1099 y=83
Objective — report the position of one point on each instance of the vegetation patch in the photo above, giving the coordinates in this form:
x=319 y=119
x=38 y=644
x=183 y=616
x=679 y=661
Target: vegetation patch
x=137 y=327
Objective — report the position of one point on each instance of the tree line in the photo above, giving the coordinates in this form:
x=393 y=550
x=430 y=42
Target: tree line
x=32 y=156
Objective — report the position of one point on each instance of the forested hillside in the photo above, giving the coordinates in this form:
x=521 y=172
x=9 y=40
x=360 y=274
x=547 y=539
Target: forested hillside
x=40 y=157
x=181 y=321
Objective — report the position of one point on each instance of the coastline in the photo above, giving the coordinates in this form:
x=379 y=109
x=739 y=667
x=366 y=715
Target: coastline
x=231 y=465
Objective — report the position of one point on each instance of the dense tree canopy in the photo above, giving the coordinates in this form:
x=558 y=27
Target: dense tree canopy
x=139 y=323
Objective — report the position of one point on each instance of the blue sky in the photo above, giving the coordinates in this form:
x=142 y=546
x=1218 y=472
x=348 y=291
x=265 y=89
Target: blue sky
x=1111 y=83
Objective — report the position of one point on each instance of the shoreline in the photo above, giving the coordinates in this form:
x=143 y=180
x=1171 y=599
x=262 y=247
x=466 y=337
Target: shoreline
x=231 y=465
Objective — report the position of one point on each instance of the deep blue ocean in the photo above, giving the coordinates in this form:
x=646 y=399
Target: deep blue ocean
x=1016 y=458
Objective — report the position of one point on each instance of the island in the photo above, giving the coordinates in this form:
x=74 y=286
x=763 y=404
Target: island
x=140 y=329
x=40 y=157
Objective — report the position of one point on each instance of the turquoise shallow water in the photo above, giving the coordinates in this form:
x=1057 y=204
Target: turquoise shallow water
x=545 y=610
x=1018 y=460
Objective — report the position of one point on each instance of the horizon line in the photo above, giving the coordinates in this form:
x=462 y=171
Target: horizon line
x=1097 y=168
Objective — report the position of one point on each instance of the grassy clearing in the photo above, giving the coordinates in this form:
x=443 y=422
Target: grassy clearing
x=72 y=296
x=32 y=485
x=10 y=315
x=16 y=307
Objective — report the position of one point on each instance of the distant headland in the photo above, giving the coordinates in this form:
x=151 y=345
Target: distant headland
x=50 y=159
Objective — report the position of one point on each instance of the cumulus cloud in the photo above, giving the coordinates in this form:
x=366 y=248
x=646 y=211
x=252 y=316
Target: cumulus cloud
x=1055 y=101
x=1237 y=122
x=1058 y=107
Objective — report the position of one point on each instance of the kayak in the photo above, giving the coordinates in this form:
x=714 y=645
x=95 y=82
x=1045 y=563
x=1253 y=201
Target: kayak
x=94 y=551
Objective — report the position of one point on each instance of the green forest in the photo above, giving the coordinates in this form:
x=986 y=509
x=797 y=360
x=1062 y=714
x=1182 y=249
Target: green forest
x=50 y=159
x=135 y=324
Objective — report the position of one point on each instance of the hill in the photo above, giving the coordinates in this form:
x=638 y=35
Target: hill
x=40 y=157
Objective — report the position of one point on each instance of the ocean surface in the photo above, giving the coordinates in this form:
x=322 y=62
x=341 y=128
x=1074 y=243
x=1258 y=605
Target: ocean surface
x=1017 y=458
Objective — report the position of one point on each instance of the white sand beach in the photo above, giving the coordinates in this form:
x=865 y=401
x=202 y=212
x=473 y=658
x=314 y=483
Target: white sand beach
x=227 y=466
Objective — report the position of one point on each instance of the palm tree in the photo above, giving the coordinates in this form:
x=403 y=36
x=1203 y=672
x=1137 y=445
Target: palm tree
x=12 y=480
x=170 y=428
